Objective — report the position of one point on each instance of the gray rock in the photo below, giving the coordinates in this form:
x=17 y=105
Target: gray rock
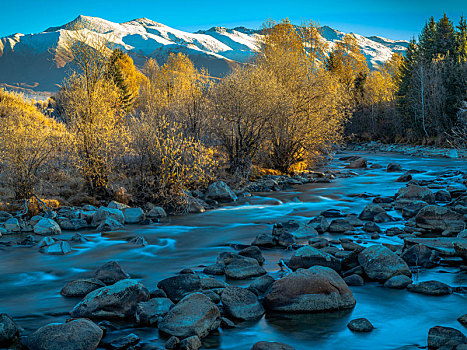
x=463 y=320
x=415 y=192
x=340 y=226
x=438 y=219
x=412 y=209
x=430 y=288
x=57 y=248
x=266 y=345
x=418 y=255
x=124 y=342
x=109 y=224
x=315 y=289
x=81 y=288
x=354 y=280
x=261 y=284
x=461 y=250
x=442 y=196
x=252 y=252
x=241 y=304
x=393 y=167
x=319 y=223
x=398 y=282
x=360 y=325
x=195 y=314
x=117 y=205
x=47 y=227
x=111 y=272
x=215 y=269
x=220 y=192
x=370 y=211
x=133 y=215
x=264 y=240
x=404 y=178
x=71 y=224
x=116 y=301
x=177 y=287
x=104 y=213
x=74 y=335
x=9 y=331
x=380 y=263
x=240 y=269
x=371 y=227
x=172 y=343
x=12 y=225
x=439 y=336
x=157 y=213
x=212 y=283
x=190 y=343
x=308 y=256
x=358 y=163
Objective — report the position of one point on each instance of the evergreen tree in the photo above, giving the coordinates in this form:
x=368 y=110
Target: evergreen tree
x=427 y=38
x=445 y=38
x=115 y=73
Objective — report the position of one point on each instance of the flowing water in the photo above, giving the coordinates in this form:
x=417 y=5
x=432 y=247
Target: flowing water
x=30 y=281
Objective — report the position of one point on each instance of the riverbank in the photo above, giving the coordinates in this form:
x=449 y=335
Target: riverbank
x=334 y=224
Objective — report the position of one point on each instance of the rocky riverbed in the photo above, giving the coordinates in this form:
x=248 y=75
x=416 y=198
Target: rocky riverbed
x=369 y=254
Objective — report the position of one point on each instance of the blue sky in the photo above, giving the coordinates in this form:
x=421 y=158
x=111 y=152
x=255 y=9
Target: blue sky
x=397 y=19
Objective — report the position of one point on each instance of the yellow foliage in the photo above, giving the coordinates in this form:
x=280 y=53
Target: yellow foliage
x=34 y=207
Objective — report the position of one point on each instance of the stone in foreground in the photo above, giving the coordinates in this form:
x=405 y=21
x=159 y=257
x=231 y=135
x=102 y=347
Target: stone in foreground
x=81 y=288
x=74 y=335
x=430 y=288
x=360 y=325
x=315 y=289
x=266 y=345
x=9 y=331
x=380 y=263
x=439 y=336
x=195 y=314
x=241 y=304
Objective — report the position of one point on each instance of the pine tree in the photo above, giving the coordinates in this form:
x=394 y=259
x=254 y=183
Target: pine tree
x=427 y=38
x=115 y=74
x=445 y=38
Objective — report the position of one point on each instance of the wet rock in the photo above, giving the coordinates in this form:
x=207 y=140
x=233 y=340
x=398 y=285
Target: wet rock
x=190 y=343
x=442 y=196
x=77 y=237
x=177 y=287
x=111 y=272
x=371 y=227
x=462 y=234
x=268 y=345
x=109 y=224
x=138 y=241
x=438 y=219
x=370 y=211
x=117 y=205
x=124 y=342
x=319 y=223
x=308 y=256
x=148 y=312
x=104 y=213
x=29 y=240
x=195 y=314
x=82 y=287
x=57 y=248
x=74 y=335
x=415 y=192
x=240 y=269
x=439 y=336
x=252 y=252
x=9 y=331
x=398 y=282
x=116 y=301
x=351 y=246
x=261 y=284
x=430 y=288
x=173 y=343
x=47 y=227
x=220 y=192
x=382 y=218
x=461 y=249
x=360 y=325
x=340 y=226
x=133 y=215
x=358 y=163
x=264 y=240
x=157 y=213
x=418 y=255
x=354 y=280
x=72 y=224
x=215 y=269
x=240 y=303
x=315 y=289
x=331 y=213
x=412 y=209
x=226 y=323
x=404 y=178
x=319 y=242
x=354 y=220
x=463 y=320
x=380 y=263
x=393 y=167
x=212 y=283
x=393 y=231
x=12 y=225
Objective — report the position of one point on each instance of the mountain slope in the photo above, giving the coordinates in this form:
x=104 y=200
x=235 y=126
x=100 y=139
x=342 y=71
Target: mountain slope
x=27 y=61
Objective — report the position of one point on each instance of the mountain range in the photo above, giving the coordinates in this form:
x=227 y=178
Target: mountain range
x=27 y=60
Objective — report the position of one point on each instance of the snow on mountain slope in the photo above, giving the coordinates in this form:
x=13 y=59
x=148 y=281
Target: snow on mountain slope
x=28 y=60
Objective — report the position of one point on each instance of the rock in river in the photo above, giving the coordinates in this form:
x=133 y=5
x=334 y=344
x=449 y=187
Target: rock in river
x=430 y=288
x=439 y=336
x=315 y=289
x=116 y=301
x=308 y=256
x=398 y=282
x=111 y=272
x=9 y=331
x=74 y=335
x=81 y=288
x=177 y=287
x=360 y=325
x=415 y=192
x=241 y=304
x=220 y=192
x=380 y=263
x=148 y=312
x=244 y=268
x=266 y=345
x=195 y=314
x=47 y=227
x=437 y=218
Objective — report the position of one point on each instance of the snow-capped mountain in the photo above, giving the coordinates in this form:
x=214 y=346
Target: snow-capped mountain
x=27 y=60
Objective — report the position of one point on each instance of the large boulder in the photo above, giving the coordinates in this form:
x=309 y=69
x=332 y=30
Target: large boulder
x=220 y=192
x=308 y=256
x=315 y=289
x=438 y=219
x=439 y=336
x=370 y=211
x=157 y=213
x=9 y=331
x=269 y=345
x=111 y=272
x=359 y=163
x=47 y=227
x=81 y=288
x=415 y=192
x=243 y=268
x=74 y=335
x=133 y=215
x=418 y=255
x=380 y=263
x=241 y=304
x=177 y=287
x=195 y=314
x=148 y=312
x=116 y=301
x=430 y=288
x=12 y=225
x=103 y=213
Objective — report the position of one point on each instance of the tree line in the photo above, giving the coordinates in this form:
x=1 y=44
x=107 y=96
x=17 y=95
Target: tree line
x=161 y=133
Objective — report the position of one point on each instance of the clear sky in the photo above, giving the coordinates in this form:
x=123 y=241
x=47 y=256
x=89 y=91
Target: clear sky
x=396 y=19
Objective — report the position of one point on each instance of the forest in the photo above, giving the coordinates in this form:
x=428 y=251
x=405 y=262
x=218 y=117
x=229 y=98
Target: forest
x=162 y=132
